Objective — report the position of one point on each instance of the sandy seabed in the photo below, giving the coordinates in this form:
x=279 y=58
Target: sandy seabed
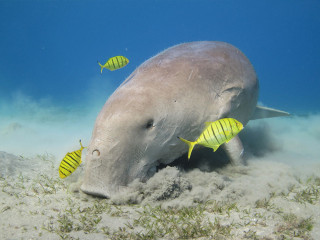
x=275 y=196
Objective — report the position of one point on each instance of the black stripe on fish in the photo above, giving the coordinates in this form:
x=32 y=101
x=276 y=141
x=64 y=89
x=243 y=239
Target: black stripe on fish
x=76 y=152
x=113 y=63
x=73 y=156
x=205 y=137
x=67 y=166
x=62 y=173
x=237 y=127
x=66 y=169
x=230 y=127
x=64 y=161
x=118 y=62
x=76 y=155
x=218 y=132
x=73 y=159
x=223 y=130
x=214 y=134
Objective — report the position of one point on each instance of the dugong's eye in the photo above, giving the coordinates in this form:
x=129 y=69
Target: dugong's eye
x=96 y=152
x=149 y=124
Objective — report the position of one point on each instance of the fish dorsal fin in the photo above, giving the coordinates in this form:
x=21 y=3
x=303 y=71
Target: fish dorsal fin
x=208 y=123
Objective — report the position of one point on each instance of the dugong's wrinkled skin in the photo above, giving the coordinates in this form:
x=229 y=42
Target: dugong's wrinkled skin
x=172 y=94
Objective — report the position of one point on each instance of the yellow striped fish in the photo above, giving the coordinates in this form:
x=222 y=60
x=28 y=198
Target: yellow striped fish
x=215 y=134
x=115 y=63
x=70 y=162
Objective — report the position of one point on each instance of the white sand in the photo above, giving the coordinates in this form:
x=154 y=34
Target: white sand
x=276 y=196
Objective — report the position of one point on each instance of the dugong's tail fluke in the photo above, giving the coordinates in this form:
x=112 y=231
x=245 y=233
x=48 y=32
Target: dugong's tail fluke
x=265 y=112
x=190 y=144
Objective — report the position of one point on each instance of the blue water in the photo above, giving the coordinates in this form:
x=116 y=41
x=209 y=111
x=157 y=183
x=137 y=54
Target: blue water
x=51 y=89
x=49 y=49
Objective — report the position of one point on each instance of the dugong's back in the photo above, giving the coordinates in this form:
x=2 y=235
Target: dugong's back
x=209 y=76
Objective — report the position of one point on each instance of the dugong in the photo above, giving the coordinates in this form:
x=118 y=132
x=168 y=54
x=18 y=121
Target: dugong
x=172 y=94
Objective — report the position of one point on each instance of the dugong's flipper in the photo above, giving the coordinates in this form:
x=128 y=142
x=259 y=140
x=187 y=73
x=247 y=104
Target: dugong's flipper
x=235 y=151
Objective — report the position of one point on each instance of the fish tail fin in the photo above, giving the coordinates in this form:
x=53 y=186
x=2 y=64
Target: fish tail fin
x=82 y=147
x=100 y=66
x=190 y=144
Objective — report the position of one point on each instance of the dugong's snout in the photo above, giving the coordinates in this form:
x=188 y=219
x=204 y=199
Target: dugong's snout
x=93 y=190
x=99 y=185
x=97 y=177
x=105 y=177
x=106 y=171
x=93 y=183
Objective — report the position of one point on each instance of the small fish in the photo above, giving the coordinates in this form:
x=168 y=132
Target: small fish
x=115 y=63
x=216 y=133
x=70 y=162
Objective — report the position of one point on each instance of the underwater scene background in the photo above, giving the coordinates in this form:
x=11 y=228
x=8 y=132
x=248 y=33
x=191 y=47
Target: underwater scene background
x=49 y=52
x=51 y=91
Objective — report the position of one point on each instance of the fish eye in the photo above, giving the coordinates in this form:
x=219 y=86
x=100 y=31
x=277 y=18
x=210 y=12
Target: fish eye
x=149 y=124
x=96 y=152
